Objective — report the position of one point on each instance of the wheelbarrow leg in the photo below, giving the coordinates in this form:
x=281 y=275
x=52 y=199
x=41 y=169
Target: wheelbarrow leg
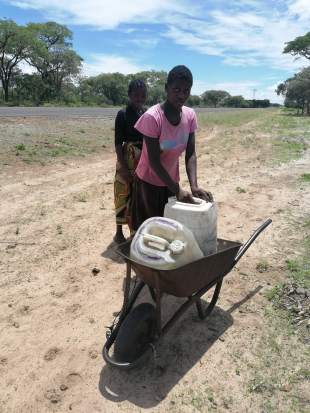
x=127 y=287
x=203 y=314
x=158 y=306
x=153 y=294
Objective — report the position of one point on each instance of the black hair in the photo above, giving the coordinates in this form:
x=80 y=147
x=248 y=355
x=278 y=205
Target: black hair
x=180 y=72
x=136 y=84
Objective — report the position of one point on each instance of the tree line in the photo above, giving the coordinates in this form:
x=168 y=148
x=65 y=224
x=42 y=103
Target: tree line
x=296 y=89
x=47 y=47
x=58 y=78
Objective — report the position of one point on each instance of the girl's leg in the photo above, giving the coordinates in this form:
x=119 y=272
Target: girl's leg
x=119 y=236
x=121 y=195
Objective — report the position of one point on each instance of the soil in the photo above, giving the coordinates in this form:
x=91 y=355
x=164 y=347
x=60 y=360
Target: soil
x=57 y=226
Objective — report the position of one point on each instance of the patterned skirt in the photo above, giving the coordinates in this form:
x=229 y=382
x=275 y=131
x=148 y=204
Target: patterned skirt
x=123 y=189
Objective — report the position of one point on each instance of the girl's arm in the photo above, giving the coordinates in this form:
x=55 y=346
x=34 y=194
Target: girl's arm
x=191 y=170
x=153 y=151
x=120 y=134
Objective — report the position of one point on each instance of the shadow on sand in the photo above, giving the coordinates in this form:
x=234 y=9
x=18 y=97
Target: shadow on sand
x=111 y=253
x=189 y=340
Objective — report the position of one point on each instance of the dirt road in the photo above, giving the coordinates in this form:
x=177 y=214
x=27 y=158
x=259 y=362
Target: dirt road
x=57 y=224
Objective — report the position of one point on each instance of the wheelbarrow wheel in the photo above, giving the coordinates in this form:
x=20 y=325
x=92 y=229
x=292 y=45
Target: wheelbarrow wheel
x=138 y=328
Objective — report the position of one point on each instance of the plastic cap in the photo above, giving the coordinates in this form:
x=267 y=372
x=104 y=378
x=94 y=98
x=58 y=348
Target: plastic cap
x=177 y=247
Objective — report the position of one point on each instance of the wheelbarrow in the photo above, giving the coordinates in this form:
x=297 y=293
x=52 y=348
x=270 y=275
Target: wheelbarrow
x=139 y=330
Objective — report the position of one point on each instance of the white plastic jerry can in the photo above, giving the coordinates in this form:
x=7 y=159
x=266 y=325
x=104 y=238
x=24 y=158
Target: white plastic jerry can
x=200 y=218
x=164 y=244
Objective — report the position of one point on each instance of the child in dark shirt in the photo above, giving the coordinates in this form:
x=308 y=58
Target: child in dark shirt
x=128 y=146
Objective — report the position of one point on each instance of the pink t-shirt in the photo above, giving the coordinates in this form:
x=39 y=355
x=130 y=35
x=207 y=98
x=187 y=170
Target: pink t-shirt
x=172 y=141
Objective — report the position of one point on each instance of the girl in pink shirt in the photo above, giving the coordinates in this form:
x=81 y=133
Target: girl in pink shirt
x=168 y=130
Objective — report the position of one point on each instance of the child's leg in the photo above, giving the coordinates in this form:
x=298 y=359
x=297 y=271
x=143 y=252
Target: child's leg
x=119 y=236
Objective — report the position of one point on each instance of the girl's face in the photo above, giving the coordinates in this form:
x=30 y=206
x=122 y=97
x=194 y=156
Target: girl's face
x=137 y=98
x=178 y=92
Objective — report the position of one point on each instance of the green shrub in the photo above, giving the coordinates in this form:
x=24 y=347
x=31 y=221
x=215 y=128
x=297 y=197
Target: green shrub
x=21 y=147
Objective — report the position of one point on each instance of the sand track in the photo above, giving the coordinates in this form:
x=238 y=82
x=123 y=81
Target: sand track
x=53 y=310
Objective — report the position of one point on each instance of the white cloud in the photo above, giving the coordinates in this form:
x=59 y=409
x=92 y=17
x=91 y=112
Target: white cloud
x=241 y=32
x=96 y=64
x=145 y=43
x=104 y=14
x=244 y=88
x=268 y=94
x=199 y=42
x=301 y=9
x=273 y=87
x=243 y=39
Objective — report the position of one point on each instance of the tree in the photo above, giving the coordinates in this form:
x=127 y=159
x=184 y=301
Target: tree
x=155 y=82
x=32 y=86
x=193 y=100
x=299 y=47
x=54 y=36
x=16 y=44
x=297 y=90
x=112 y=86
x=235 y=102
x=293 y=98
x=302 y=84
x=260 y=103
x=214 y=96
x=65 y=65
x=152 y=78
x=85 y=90
x=155 y=95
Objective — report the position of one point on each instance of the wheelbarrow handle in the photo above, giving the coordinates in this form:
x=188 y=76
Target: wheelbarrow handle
x=251 y=240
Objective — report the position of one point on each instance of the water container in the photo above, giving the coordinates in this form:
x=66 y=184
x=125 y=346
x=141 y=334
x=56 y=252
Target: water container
x=164 y=244
x=200 y=218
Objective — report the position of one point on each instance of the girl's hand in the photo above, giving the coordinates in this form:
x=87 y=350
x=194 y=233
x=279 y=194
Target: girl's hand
x=127 y=175
x=184 y=196
x=201 y=193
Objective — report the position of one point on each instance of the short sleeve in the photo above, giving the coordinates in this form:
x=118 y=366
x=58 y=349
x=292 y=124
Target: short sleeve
x=193 y=124
x=120 y=128
x=148 y=125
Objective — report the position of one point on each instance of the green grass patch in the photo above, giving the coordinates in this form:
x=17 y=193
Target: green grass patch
x=201 y=399
x=82 y=198
x=21 y=147
x=30 y=159
x=56 y=141
x=287 y=151
x=262 y=266
x=233 y=119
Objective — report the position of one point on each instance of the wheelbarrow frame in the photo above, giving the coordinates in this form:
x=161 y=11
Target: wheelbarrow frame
x=212 y=269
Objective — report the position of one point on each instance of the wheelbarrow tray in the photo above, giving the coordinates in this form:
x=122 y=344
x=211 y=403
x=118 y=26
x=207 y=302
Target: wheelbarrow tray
x=192 y=280
x=186 y=280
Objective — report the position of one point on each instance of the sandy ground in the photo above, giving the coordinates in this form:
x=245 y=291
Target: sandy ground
x=57 y=224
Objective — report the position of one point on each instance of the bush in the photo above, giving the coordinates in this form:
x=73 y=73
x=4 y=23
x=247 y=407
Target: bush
x=21 y=147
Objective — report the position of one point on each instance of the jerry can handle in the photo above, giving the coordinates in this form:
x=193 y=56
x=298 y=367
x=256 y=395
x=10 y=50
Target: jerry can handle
x=197 y=204
x=157 y=240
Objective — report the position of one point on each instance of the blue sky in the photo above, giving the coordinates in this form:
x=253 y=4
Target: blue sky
x=233 y=45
